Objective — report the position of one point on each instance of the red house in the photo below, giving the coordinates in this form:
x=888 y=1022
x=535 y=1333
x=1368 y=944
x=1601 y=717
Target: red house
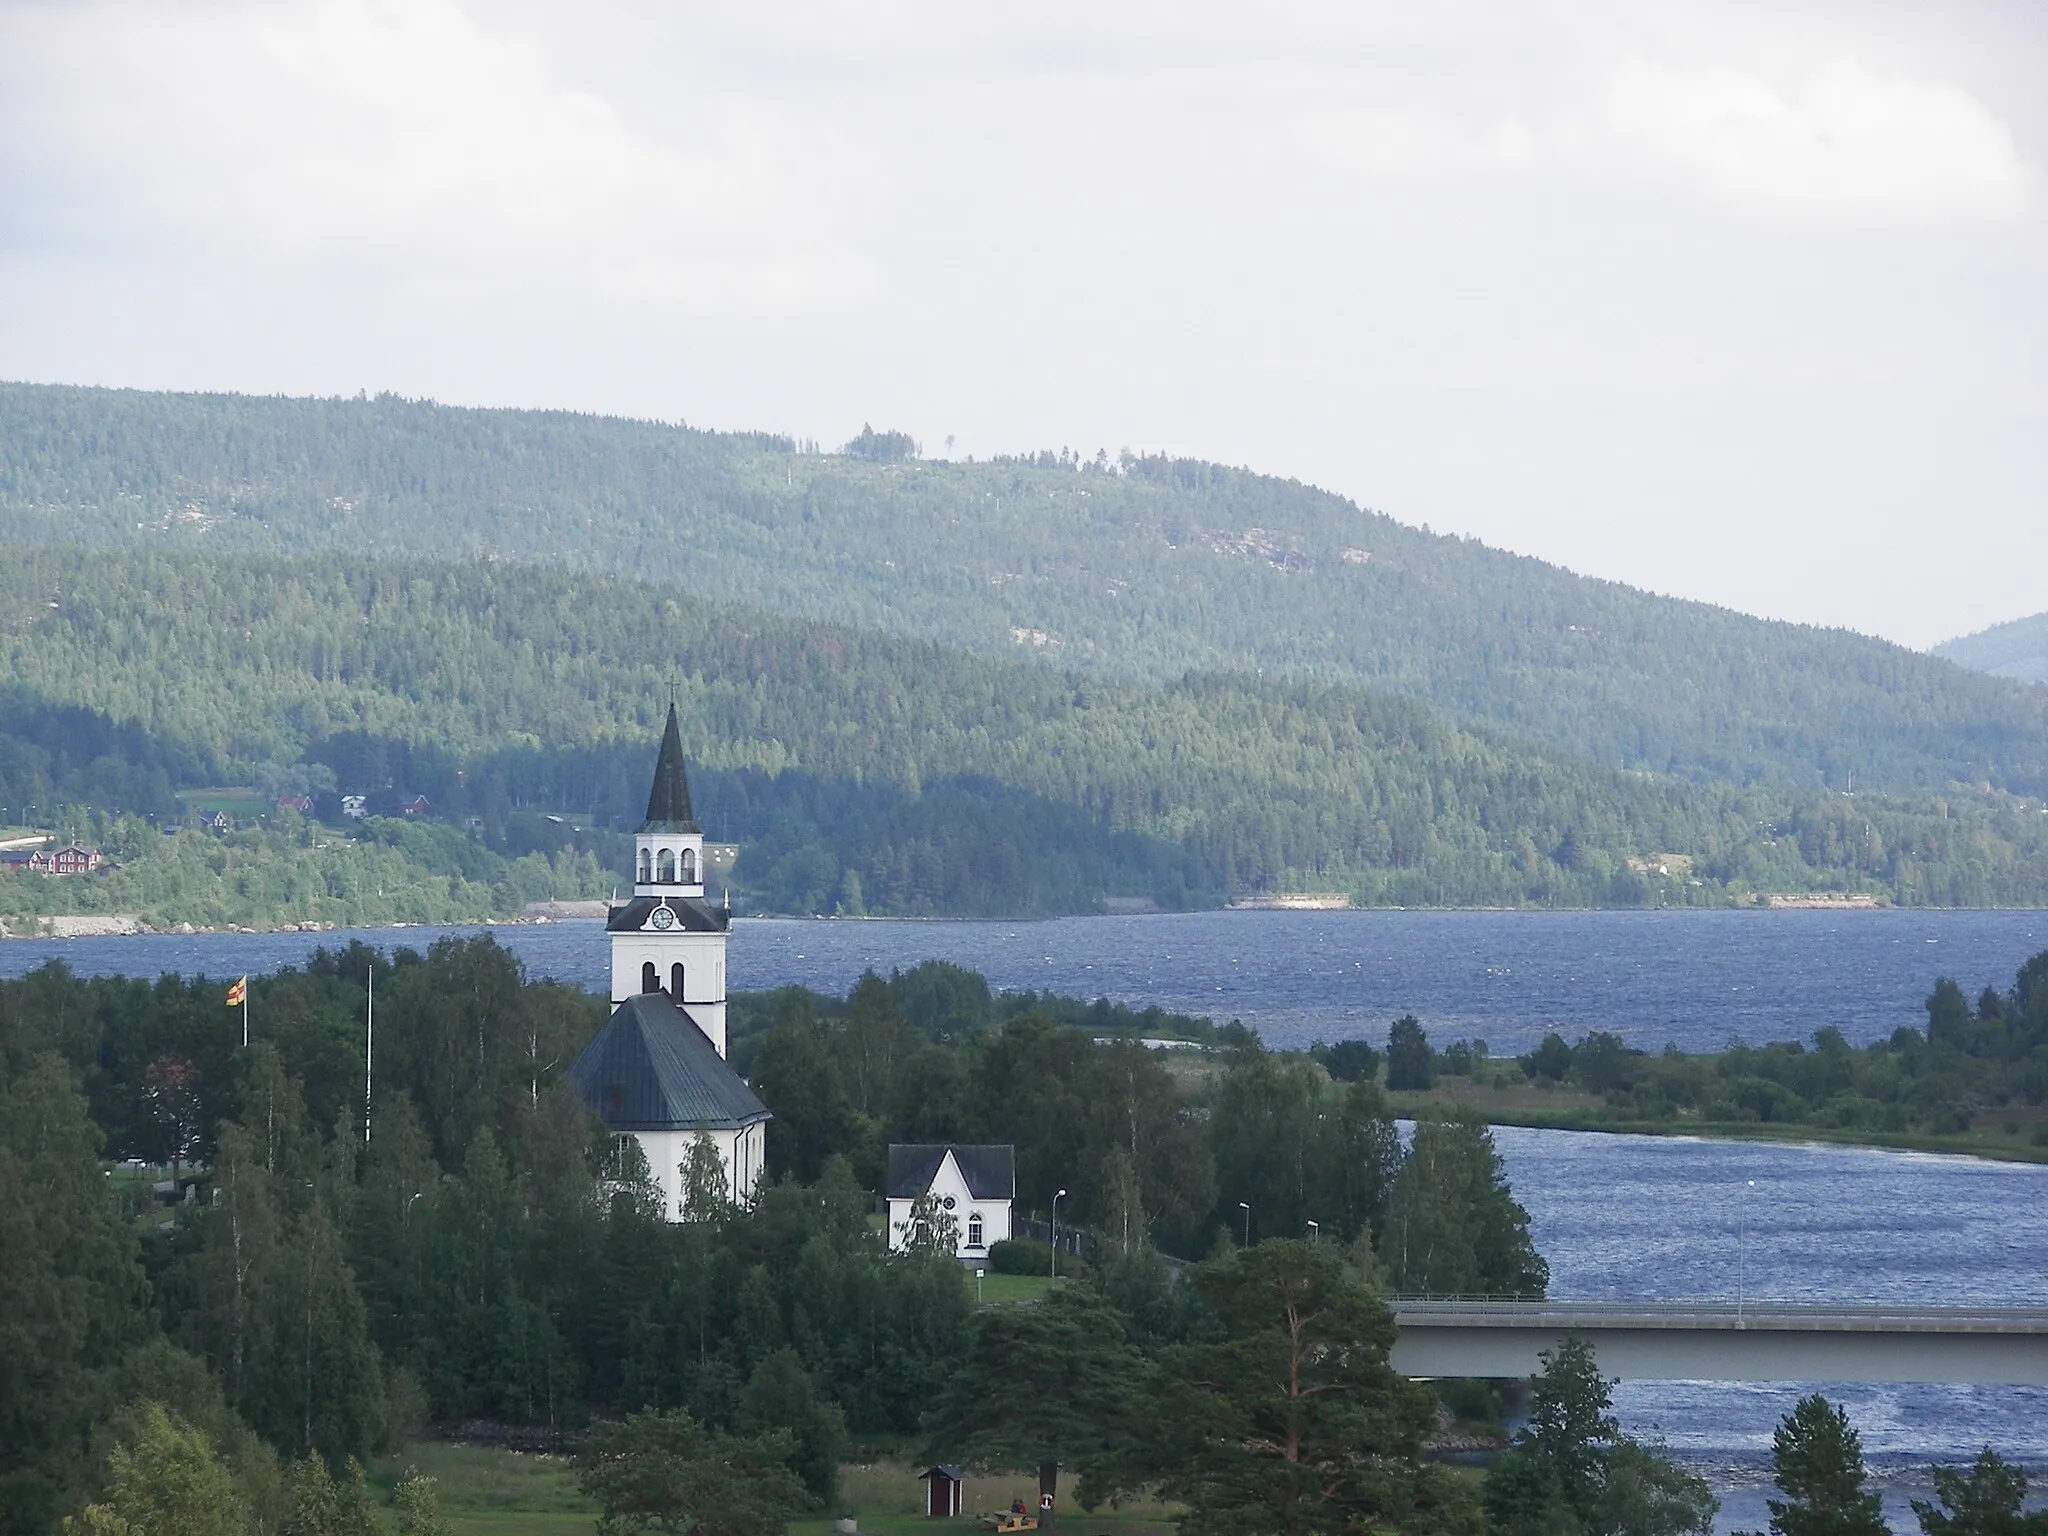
x=71 y=859
x=74 y=859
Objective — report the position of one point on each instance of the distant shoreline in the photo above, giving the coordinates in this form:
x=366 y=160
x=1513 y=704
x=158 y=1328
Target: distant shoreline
x=1784 y=1136
x=120 y=925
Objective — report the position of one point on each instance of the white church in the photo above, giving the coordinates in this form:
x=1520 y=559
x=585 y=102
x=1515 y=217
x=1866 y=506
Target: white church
x=657 y=1070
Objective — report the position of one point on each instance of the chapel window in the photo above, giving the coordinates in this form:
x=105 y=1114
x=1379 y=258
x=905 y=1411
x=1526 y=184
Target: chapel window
x=974 y=1230
x=650 y=979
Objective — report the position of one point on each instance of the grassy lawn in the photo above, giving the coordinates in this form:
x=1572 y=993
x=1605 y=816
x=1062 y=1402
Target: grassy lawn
x=486 y=1489
x=240 y=802
x=888 y=1500
x=998 y=1289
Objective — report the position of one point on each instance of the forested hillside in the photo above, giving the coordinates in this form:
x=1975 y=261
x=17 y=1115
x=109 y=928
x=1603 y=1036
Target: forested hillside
x=1136 y=567
x=868 y=772
x=2018 y=650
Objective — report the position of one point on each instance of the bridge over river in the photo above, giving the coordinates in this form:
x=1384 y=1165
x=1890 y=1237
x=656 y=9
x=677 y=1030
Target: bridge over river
x=1729 y=1341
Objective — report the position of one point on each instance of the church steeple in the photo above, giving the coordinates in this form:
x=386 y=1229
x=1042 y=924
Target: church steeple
x=668 y=802
x=668 y=938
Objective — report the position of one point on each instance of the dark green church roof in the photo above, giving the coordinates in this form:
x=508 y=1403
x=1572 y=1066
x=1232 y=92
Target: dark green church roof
x=651 y=1069
x=668 y=803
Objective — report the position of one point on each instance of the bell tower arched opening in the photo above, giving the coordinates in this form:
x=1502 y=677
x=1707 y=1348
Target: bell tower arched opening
x=650 y=979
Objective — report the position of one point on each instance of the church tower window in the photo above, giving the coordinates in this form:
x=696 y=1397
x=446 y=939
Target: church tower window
x=675 y=981
x=650 y=980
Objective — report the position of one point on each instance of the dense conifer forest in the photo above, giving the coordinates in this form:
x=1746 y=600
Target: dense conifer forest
x=1136 y=566
x=291 y=1289
x=857 y=771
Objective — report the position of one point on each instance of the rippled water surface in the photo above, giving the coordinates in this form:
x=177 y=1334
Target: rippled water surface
x=1696 y=979
x=1656 y=1218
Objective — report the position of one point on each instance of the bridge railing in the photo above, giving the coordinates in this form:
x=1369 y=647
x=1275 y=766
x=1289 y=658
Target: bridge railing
x=1669 y=1312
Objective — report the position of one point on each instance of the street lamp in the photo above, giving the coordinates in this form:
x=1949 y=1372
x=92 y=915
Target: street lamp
x=1315 y=1230
x=1247 y=1223
x=1742 y=1253
x=1056 y=1199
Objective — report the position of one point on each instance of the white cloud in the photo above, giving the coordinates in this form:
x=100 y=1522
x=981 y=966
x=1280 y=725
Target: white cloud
x=405 y=135
x=1844 y=142
x=1398 y=142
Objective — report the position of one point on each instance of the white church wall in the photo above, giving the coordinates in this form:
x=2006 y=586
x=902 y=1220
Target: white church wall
x=702 y=957
x=743 y=1151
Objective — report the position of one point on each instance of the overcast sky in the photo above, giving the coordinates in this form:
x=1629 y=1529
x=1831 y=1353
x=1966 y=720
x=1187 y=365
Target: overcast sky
x=1747 y=303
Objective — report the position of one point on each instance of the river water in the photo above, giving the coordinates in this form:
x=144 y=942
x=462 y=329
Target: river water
x=1669 y=1218
x=1618 y=1216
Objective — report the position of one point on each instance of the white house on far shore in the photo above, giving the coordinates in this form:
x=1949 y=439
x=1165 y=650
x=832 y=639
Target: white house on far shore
x=974 y=1185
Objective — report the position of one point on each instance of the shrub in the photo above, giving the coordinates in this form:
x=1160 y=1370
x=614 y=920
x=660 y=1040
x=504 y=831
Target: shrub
x=1013 y=1256
x=1348 y=1060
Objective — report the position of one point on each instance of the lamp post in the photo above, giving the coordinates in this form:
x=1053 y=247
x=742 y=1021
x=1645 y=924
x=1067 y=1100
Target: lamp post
x=1315 y=1230
x=1056 y=1199
x=1742 y=1253
x=1242 y=1206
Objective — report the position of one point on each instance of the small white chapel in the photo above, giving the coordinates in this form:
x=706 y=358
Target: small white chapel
x=657 y=1070
x=974 y=1185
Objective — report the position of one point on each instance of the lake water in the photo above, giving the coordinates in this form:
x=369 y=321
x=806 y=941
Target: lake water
x=1618 y=1216
x=1694 y=979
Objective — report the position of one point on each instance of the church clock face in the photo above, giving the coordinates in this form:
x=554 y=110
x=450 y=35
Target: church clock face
x=662 y=918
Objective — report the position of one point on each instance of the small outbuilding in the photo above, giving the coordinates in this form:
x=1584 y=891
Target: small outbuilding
x=945 y=1484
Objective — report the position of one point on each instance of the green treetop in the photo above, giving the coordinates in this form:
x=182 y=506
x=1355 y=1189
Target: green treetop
x=1817 y=1459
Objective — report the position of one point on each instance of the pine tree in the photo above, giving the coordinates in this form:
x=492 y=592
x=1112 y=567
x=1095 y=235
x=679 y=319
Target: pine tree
x=1292 y=1421
x=1817 y=1459
x=1988 y=1500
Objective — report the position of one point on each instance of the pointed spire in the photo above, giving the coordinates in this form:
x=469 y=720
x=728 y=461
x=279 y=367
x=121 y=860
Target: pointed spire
x=668 y=803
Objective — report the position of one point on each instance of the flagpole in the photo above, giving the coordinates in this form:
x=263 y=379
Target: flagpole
x=238 y=997
x=369 y=1038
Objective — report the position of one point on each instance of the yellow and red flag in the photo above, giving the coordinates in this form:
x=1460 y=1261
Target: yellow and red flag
x=238 y=994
